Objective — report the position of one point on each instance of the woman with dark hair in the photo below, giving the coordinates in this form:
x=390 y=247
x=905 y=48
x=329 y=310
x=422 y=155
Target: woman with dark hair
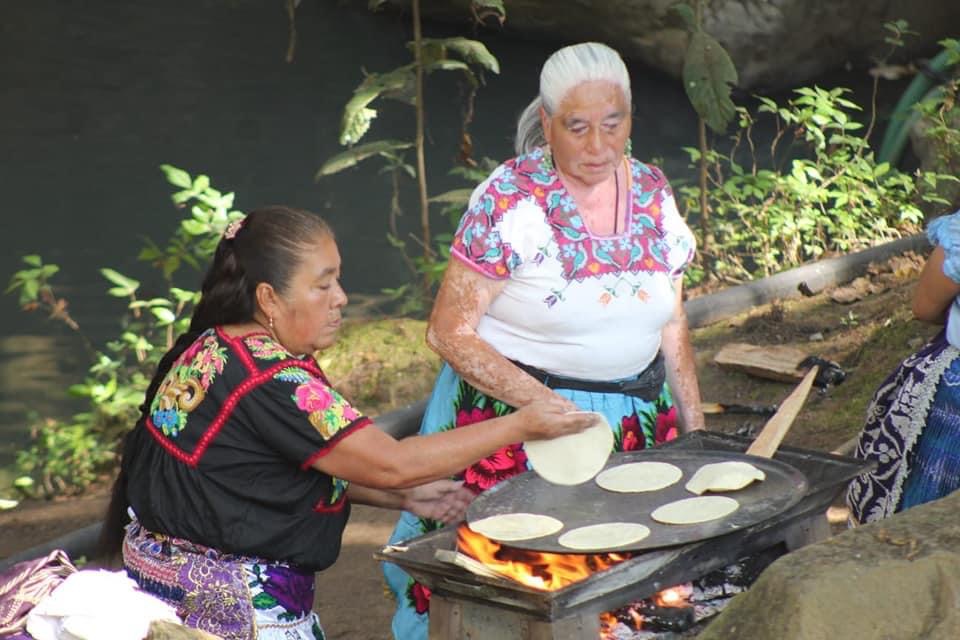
x=236 y=482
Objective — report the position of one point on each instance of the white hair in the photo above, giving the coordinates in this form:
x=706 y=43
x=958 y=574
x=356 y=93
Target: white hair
x=564 y=70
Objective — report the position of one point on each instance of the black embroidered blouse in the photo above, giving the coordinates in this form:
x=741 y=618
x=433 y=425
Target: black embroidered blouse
x=224 y=457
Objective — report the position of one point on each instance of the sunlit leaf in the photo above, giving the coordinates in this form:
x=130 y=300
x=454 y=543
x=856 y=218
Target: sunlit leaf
x=470 y=51
x=708 y=74
x=355 y=155
x=357 y=115
x=177 y=177
x=164 y=316
x=128 y=284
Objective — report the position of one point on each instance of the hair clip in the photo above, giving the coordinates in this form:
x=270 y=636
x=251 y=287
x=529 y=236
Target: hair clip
x=231 y=231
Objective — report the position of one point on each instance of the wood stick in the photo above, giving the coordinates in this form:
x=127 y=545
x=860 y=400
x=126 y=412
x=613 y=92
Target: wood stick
x=466 y=562
x=766 y=443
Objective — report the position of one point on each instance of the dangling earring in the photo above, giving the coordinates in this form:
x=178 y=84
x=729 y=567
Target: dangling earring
x=628 y=149
x=547 y=158
x=270 y=322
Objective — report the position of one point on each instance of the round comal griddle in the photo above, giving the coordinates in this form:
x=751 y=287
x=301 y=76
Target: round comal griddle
x=587 y=503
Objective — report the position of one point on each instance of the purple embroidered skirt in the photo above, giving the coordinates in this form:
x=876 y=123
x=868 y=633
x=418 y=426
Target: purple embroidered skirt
x=234 y=597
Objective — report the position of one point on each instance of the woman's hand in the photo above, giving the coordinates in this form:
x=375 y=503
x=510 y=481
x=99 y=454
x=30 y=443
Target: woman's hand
x=543 y=420
x=443 y=500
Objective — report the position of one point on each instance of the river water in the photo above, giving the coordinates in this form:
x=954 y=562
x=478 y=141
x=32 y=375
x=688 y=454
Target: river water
x=97 y=94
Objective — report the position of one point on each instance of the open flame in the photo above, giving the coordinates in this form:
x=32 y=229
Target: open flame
x=633 y=619
x=536 y=569
x=552 y=571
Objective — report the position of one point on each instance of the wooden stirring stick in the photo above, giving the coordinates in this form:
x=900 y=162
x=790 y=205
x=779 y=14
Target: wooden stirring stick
x=769 y=438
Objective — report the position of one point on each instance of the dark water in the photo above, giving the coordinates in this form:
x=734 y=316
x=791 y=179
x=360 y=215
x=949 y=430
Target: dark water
x=97 y=94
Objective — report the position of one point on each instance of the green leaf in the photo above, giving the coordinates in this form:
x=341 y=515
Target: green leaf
x=177 y=177
x=454 y=196
x=164 y=316
x=120 y=280
x=357 y=116
x=33 y=260
x=353 y=156
x=708 y=74
x=201 y=182
x=195 y=227
x=471 y=51
x=448 y=65
x=483 y=9
x=686 y=14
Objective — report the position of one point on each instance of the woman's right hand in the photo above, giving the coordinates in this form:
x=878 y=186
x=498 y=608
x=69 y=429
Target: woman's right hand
x=546 y=419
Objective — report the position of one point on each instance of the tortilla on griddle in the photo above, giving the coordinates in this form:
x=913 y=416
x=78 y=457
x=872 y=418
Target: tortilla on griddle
x=730 y=475
x=636 y=477
x=599 y=537
x=507 y=527
x=695 y=510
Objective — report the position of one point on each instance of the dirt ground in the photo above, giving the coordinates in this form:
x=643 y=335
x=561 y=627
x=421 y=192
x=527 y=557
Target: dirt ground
x=865 y=327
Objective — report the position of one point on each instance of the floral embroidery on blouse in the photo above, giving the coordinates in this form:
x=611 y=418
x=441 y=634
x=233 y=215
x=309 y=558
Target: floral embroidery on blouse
x=293 y=374
x=326 y=409
x=643 y=248
x=186 y=384
x=265 y=348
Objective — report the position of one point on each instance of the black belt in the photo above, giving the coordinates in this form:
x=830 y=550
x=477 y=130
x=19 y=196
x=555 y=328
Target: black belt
x=646 y=386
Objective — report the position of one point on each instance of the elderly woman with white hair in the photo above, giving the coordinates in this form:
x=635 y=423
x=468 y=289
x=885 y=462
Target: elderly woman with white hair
x=564 y=284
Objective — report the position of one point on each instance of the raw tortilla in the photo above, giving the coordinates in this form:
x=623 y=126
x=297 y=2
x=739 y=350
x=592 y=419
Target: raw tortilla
x=639 y=476
x=573 y=458
x=694 y=510
x=516 y=526
x=724 y=476
x=599 y=537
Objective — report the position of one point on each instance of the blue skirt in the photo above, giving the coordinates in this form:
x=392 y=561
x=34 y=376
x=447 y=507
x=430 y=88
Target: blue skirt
x=912 y=434
x=636 y=424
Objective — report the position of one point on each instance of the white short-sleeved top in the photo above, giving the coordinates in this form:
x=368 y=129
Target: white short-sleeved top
x=574 y=304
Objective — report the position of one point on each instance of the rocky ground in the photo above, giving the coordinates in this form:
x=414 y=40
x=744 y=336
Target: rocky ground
x=865 y=327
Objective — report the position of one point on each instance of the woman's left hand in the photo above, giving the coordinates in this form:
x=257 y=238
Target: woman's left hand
x=443 y=500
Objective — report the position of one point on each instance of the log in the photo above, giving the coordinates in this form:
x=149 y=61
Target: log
x=773 y=362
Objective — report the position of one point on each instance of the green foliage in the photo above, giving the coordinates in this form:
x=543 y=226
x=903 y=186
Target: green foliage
x=708 y=74
x=427 y=254
x=67 y=455
x=939 y=122
x=826 y=194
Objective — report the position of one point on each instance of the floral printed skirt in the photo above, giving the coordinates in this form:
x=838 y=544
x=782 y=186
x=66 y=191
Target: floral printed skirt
x=636 y=424
x=233 y=597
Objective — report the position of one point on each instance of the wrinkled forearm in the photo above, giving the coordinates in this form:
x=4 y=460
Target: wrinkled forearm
x=681 y=372
x=486 y=369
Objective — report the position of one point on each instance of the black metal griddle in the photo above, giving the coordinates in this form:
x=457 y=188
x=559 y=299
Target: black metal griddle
x=588 y=503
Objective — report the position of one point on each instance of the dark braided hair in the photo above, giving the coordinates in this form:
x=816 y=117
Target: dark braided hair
x=267 y=247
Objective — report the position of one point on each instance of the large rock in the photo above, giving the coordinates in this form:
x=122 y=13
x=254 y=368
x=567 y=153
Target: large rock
x=774 y=43
x=897 y=579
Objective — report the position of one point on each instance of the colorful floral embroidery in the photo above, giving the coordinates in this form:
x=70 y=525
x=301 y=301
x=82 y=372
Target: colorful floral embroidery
x=265 y=348
x=642 y=249
x=277 y=586
x=293 y=374
x=186 y=384
x=327 y=410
